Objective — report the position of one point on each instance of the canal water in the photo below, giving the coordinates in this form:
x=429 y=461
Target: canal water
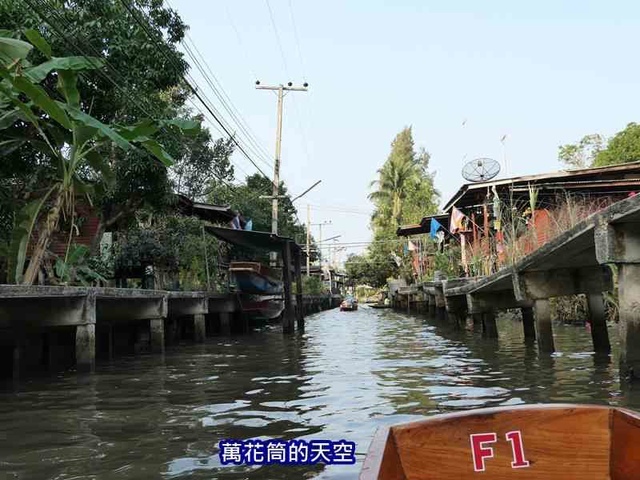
x=152 y=416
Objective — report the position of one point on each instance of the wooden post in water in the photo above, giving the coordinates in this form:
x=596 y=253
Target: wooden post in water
x=597 y=315
x=528 y=324
x=299 y=297
x=543 y=325
x=288 y=315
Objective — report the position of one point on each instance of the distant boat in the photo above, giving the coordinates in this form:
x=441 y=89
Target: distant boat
x=534 y=442
x=379 y=305
x=255 y=278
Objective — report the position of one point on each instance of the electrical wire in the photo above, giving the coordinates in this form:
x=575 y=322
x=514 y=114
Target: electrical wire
x=53 y=14
x=134 y=13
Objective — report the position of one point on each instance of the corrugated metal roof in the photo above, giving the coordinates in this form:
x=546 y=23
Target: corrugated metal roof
x=546 y=178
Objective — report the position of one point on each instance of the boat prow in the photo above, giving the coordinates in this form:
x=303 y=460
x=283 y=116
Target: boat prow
x=550 y=442
x=255 y=278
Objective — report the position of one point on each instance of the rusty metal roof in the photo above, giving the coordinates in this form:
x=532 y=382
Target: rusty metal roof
x=616 y=178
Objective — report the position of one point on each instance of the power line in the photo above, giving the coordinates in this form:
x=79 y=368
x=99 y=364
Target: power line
x=275 y=31
x=48 y=20
x=297 y=39
x=134 y=13
x=225 y=100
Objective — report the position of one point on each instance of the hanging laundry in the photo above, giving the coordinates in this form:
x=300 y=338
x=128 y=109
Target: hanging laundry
x=435 y=226
x=457 y=220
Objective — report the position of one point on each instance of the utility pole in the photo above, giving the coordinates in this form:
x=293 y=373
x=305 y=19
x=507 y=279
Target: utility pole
x=308 y=239
x=281 y=89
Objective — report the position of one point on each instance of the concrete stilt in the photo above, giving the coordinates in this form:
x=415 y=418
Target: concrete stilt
x=110 y=346
x=528 y=324
x=432 y=305
x=599 y=333
x=225 y=323
x=543 y=326
x=199 y=328
x=18 y=353
x=477 y=321
x=489 y=327
x=86 y=347
x=156 y=335
x=629 y=300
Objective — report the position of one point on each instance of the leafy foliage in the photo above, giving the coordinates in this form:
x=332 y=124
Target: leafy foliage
x=624 y=147
x=404 y=192
x=583 y=153
x=590 y=151
x=67 y=138
x=176 y=249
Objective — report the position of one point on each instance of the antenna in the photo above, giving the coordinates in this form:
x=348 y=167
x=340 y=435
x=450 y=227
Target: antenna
x=480 y=170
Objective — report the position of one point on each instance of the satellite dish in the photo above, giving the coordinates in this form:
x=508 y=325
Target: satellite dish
x=480 y=170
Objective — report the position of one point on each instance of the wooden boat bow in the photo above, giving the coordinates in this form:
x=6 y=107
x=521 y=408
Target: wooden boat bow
x=551 y=442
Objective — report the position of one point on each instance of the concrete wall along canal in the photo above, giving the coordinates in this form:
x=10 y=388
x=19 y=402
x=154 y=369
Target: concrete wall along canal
x=579 y=261
x=58 y=327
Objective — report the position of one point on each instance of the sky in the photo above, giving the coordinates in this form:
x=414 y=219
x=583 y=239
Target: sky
x=461 y=73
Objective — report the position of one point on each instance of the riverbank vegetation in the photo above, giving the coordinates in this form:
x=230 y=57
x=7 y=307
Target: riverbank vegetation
x=100 y=144
x=403 y=192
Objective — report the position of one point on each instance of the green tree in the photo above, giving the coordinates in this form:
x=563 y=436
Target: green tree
x=64 y=134
x=623 y=147
x=142 y=78
x=583 y=153
x=404 y=193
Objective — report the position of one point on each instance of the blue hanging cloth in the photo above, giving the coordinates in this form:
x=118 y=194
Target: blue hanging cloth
x=435 y=226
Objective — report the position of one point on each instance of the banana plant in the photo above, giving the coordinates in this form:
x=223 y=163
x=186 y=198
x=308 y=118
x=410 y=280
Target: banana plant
x=67 y=134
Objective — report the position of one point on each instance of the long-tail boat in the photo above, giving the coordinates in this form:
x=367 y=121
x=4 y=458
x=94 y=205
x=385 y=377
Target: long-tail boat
x=255 y=278
x=533 y=442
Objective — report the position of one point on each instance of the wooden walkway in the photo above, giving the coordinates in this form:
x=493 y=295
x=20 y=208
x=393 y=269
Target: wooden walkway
x=38 y=323
x=576 y=262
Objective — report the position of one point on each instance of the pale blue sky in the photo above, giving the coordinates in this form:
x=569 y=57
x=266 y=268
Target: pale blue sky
x=544 y=72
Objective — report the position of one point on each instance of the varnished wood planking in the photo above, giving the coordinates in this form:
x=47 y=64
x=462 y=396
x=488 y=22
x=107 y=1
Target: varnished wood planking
x=560 y=442
x=625 y=445
x=383 y=460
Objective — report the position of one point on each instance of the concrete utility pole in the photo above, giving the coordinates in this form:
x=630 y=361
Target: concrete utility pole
x=281 y=89
x=308 y=239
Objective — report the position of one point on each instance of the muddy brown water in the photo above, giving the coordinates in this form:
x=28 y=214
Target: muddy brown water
x=152 y=416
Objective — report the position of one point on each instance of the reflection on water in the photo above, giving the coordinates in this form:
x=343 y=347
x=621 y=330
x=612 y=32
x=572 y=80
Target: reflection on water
x=162 y=417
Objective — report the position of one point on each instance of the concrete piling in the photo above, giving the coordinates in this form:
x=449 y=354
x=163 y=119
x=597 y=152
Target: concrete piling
x=225 y=323
x=544 y=329
x=528 y=324
x=489 y=326
x=597 y=315
x=86 y=347
x=199 y=328
x=156 y=335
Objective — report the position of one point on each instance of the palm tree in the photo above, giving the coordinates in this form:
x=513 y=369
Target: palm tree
x=401 y=168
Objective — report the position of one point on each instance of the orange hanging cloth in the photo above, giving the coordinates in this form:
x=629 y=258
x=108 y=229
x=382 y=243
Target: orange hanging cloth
x=457 y=220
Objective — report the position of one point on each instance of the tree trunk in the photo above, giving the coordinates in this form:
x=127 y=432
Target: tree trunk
x=46 y=230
